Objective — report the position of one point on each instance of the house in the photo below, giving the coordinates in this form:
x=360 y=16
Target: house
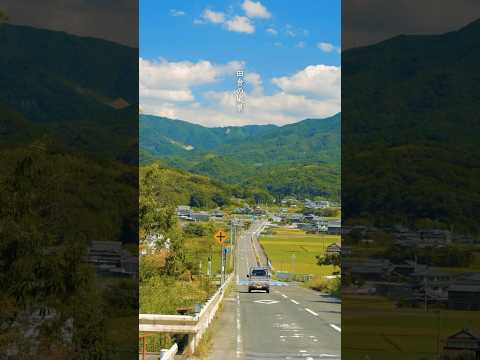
x=334 y=227
x=110 y=260
x=464 y=292
x=200 y=216
x=184 y=211
x=129 y=263
x=463 y=342
x=104 y=253
x=333 y=249
x=217 y=214
x=368 y=270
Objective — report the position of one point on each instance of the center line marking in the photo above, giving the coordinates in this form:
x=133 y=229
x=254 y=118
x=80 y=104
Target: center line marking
x=295 y=302
x=335 y=327
x=312 y=312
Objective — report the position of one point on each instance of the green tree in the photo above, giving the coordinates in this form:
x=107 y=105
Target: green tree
x=332 y=259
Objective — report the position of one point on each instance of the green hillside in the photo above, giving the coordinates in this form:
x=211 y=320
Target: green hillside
x=163 y=136
x=301 y=159
x=48 y=75
x=412 y=151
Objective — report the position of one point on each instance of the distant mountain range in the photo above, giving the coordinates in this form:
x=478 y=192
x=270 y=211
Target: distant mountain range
x=307 y=140
x=68 y=88
x=411 y=109
x=301 y=158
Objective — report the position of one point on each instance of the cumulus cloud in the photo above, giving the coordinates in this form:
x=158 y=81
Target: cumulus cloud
x=213 y=16
x=172 y=81
x=319 y=81
x=240 y=24
x=311 y=92
x=255 y=80
x=255 y=9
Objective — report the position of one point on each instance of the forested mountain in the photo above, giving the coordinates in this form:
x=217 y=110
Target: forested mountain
x=66 y=88
x=163 y=136
x=300 y=159
x=412 y=142
x=48 y=75
x=311 y=139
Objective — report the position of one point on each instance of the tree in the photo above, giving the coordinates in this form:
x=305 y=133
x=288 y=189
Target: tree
x=331 y=259
x=198 y=200
x=219 y=199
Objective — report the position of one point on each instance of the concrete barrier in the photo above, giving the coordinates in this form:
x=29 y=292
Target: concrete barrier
x=193 y=326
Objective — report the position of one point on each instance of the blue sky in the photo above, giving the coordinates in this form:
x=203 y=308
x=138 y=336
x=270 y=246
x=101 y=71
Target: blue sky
x=189 y=53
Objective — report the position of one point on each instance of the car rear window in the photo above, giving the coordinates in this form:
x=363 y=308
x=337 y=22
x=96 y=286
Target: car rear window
x=259 y=273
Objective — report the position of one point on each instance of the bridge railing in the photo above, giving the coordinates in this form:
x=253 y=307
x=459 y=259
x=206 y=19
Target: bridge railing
x=193 y=326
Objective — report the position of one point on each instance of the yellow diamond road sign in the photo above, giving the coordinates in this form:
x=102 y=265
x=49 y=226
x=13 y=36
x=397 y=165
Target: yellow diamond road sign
x=220 y=236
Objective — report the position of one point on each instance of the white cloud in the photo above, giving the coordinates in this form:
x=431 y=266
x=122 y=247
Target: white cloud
x=311 y=92
x=240 y=24
x=175 y=12
x=213 y=16
x=272 y=31
x=255 y=9
x=172 y=81
x=278 y=44
x=291 y=33
x=326 y=47
x=300 y=44
x=255 y=80
x=319 y=81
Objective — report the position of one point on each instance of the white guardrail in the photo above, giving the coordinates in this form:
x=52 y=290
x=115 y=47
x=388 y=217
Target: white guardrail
x=169 y=354
x=195 y=326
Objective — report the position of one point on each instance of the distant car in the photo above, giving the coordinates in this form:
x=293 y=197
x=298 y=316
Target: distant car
x=258 y=279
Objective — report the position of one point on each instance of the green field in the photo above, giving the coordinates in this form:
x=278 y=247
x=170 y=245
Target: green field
x=411 y=334
x=295 y=251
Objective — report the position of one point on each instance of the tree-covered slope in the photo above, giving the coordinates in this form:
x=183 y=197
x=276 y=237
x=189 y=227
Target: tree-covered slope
x=411 y=128
x=54 y=76
x=301 y=159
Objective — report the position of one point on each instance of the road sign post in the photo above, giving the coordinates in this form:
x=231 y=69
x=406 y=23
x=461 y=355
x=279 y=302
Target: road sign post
x=221 y=236
x=223 y=266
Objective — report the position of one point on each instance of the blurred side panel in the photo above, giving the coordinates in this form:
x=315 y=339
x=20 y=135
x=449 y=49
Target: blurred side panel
x=68 y=179
x=410 y=180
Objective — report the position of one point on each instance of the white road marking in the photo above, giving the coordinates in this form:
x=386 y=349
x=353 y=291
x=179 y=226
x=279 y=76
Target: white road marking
x=239 y=334
x=284 y=296
x=267 y=302
x=312 y=312
x=335 y=327
x=295 y=302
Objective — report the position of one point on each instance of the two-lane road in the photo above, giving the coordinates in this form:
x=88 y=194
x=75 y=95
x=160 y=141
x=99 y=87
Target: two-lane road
x=289 y=323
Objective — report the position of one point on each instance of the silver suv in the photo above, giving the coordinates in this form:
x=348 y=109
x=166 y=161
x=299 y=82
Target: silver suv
x=259 y=279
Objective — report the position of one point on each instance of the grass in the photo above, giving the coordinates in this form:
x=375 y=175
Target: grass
x=162 y=295
x=373 y=325
x=295 y=251
x=119 y=331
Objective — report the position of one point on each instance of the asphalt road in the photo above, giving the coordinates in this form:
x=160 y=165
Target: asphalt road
x=289 y=323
